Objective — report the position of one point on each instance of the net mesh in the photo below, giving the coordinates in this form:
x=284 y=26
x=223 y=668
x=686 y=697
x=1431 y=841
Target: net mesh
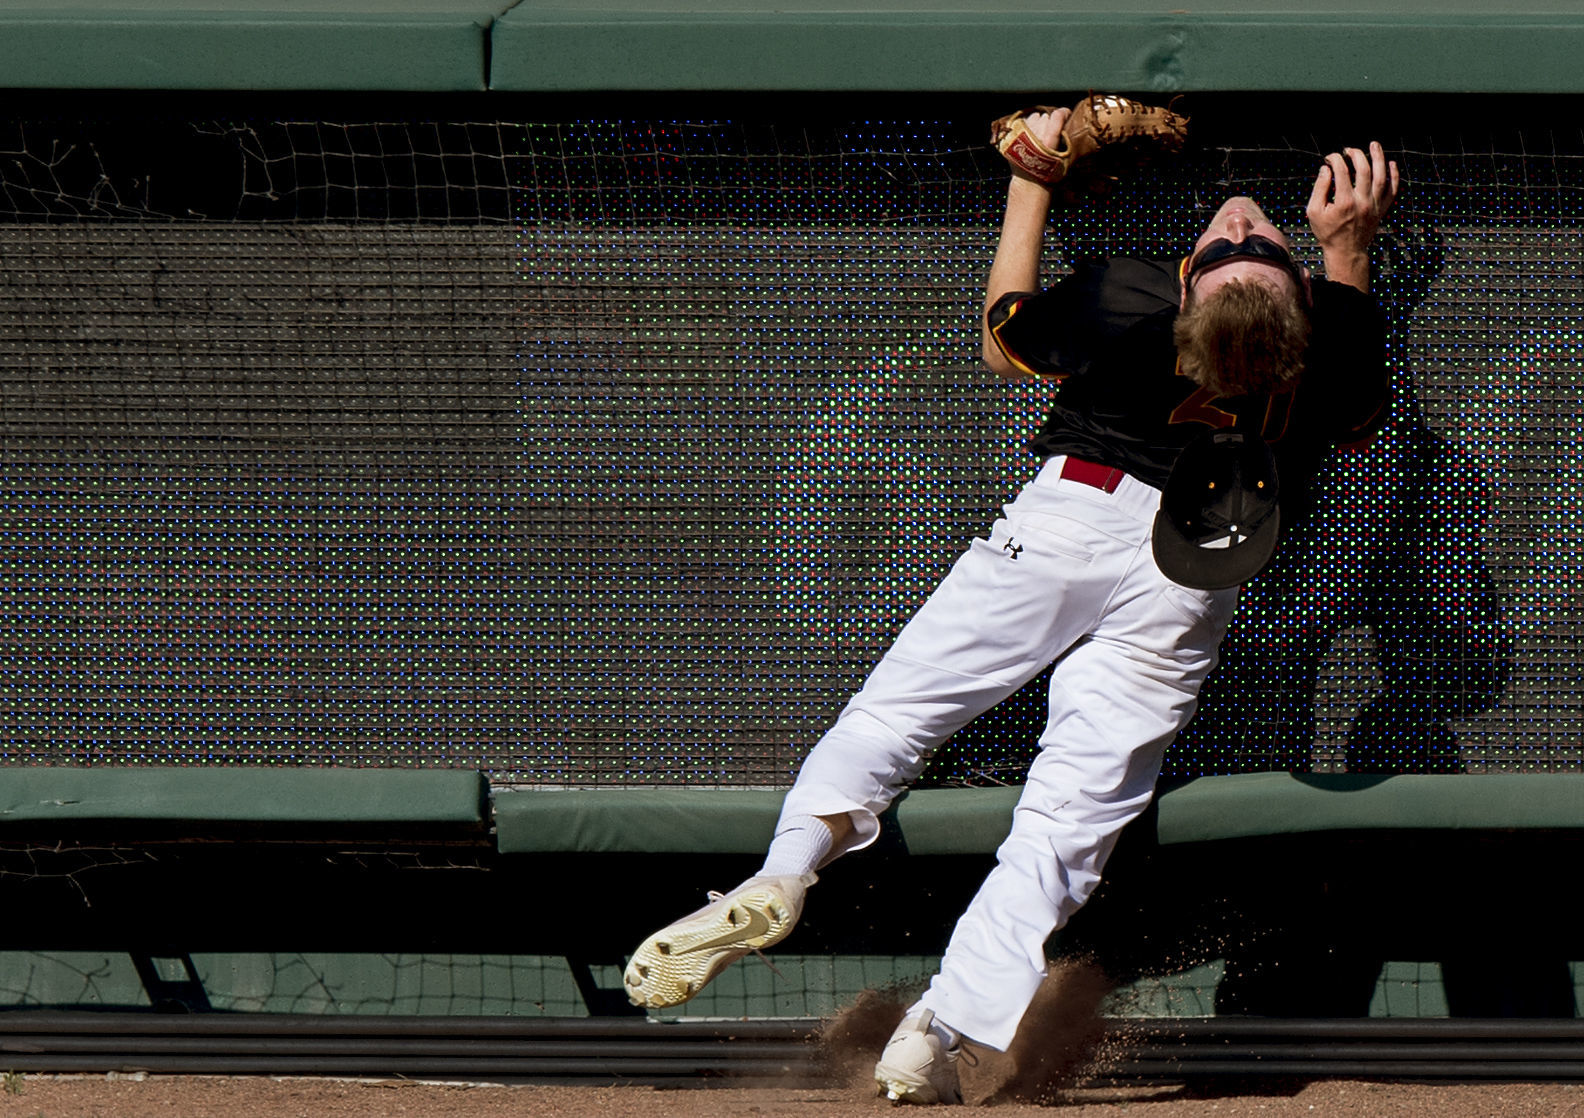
x=614 y=452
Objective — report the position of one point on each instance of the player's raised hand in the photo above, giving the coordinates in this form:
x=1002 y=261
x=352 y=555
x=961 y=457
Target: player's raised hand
x=1353 y=192
x=1047 y=126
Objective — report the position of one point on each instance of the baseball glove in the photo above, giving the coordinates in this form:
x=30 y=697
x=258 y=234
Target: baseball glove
x=1105 y=137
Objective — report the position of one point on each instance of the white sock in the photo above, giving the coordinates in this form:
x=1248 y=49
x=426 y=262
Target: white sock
x=800 y=846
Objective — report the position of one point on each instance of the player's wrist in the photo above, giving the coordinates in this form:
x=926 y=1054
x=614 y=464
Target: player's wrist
x=1351 y=268
x=1349 y=259
x=1022 y=185
x=1029 y=198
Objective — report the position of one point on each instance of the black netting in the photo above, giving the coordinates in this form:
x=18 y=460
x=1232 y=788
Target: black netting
x=615 y=451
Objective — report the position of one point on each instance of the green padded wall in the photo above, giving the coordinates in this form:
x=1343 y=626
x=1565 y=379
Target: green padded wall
x=1009 y=45
x=372 y=45
x=803 y=45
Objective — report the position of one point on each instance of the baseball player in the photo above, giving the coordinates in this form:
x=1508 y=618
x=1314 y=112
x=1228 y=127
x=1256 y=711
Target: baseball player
x=1233 y=353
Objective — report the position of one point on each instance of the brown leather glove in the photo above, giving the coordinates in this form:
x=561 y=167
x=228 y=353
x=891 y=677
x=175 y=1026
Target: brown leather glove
x=1105 y=137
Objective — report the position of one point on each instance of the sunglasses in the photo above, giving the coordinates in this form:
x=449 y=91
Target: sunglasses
x=1252 y=247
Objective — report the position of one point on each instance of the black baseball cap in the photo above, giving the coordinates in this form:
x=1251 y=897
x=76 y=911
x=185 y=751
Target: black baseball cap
x=1218 y=521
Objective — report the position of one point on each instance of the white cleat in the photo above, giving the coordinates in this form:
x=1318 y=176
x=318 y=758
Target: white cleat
x=916 y=1067
x=677 y=962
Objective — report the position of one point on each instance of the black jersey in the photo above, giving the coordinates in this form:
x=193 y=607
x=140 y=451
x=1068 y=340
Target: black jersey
x=1105 y=332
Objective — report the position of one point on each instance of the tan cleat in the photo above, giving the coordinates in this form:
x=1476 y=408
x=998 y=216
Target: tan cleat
x=679 y=960
x=916 y=1067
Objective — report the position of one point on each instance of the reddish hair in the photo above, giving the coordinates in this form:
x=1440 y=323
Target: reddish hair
x=1242 y=339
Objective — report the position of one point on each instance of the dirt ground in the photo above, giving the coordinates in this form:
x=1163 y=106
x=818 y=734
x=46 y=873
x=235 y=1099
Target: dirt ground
x=258 y=1097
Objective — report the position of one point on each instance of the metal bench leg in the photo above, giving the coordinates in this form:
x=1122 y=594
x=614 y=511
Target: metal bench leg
x=600 y=1001
x=171 y=995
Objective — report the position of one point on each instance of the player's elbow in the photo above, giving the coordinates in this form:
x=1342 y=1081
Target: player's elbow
x=997 y=362
x=993 y=359
x=989 y=352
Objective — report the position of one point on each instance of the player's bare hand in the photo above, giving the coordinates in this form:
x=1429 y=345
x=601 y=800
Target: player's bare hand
x=1354 y=190
x=1352 y=193
x=1047 y=127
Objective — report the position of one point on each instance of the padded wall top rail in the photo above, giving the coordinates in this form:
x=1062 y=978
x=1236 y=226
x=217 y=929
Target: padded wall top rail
x=675 y=820
x=48 y=797
x=976 y=820
x=1248 y=805
x=799 y=45
x=669 y=820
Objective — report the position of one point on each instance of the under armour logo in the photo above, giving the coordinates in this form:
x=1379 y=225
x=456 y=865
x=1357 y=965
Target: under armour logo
x=1012 y=547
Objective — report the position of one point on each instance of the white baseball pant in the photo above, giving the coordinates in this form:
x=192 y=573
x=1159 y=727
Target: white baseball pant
x=1066 y=575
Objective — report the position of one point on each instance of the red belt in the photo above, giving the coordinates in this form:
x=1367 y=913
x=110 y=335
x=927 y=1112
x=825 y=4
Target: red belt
x=1091 y=473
